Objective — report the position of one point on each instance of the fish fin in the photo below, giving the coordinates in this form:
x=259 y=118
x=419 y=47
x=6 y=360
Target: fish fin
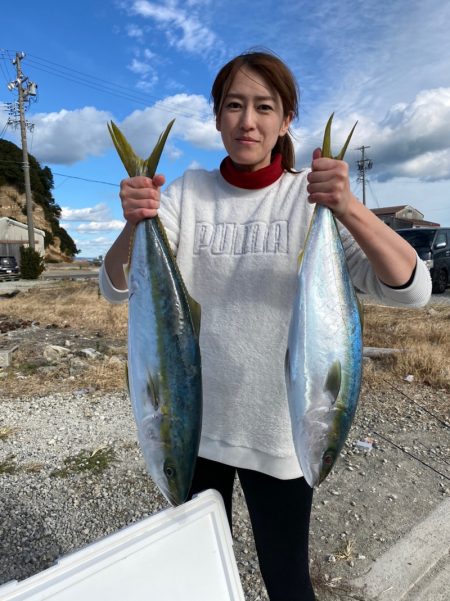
x=132 y=163
x=300 y=258
x=341 y=154
x=196 y=313
x=287 y=364
x=308 y=233
x=127 y=266
x=326 y=144
x=360 y=311
x=153 y=390
x=126 y=272
x=333 y=381
x=151 y=163
x=127 y=377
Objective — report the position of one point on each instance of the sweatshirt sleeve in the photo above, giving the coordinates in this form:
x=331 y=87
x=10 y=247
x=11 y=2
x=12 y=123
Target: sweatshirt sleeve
x=416 y=294
x=113 y=295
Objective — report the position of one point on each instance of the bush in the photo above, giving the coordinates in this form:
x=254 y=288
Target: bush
x=31 y=263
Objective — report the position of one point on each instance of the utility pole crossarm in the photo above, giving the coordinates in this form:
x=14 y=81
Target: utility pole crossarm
x=363 y=165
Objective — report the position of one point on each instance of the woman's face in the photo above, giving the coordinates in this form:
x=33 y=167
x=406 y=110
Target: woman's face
x=251 y=120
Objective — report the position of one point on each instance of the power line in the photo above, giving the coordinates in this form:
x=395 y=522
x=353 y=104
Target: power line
x=410 y=454
x=102 y=85
x=373 y=193
x=84 y=179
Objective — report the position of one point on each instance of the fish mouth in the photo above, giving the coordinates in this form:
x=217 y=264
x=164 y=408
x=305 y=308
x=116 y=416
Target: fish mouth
x=174 y=498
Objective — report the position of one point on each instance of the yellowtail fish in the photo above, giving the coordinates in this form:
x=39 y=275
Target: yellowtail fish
x=164 y=363
x=323 y=365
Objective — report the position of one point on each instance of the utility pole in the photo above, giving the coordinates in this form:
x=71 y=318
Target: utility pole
x=363 y=165
x=26 y=90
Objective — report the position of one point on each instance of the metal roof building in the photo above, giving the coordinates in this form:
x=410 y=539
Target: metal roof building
x=402 y=216
x=14 y=234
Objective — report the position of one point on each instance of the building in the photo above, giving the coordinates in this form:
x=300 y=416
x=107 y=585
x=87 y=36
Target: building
x=402 y=216
x=14 y=234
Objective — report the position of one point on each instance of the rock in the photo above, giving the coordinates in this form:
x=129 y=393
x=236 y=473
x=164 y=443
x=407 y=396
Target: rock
x=52 y=352
x=90 y=353
x=77 y=366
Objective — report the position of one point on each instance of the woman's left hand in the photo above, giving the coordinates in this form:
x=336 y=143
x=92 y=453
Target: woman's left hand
x=329 y=184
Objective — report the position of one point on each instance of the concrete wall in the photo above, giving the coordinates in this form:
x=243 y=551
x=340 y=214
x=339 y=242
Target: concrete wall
x=14 y=234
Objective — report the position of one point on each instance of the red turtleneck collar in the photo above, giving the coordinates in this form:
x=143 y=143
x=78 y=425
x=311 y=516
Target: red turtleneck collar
x=252 y=180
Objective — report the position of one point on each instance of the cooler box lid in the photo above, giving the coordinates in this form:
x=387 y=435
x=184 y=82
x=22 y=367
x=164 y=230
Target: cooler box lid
x=182 y=553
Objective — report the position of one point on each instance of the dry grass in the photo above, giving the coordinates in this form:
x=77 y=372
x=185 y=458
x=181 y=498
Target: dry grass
x=423 y=334
x=78 y=305
x=66 y=304
x=6 y=432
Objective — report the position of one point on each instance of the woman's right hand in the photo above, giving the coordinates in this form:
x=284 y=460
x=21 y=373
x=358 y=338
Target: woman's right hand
x=140 y=197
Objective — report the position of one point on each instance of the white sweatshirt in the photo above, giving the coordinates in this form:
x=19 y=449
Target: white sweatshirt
x=237 y=251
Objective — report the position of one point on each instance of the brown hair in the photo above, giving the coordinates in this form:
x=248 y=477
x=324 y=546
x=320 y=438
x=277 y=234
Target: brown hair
x=280 y=78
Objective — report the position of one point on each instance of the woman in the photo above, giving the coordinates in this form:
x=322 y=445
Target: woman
x=237 y=233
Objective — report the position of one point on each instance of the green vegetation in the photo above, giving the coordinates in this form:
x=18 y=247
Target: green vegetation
x=8 y=465
x=87 y=461
x=31 y=263
x=6 y=432
x=41 y=180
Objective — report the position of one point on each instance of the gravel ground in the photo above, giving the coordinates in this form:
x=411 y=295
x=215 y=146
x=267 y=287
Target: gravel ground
x=371 y=499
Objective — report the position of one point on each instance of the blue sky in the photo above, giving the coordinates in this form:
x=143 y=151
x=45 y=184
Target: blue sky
x=141 y=64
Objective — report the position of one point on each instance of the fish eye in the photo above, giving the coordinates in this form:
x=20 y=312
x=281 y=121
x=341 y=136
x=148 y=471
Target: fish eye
x=328 y=458
x=169 y=470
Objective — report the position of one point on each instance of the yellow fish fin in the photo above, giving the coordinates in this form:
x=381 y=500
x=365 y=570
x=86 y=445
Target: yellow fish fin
x=151 y=163
x=326 y=144
x=132 y=163
x=333 y=381
x=196 y=313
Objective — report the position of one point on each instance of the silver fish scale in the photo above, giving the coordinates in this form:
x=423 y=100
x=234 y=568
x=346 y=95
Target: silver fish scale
x=164 y=366
x=325 y=331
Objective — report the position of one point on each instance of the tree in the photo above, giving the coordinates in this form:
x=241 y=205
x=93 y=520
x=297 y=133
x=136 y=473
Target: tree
x=41 y=180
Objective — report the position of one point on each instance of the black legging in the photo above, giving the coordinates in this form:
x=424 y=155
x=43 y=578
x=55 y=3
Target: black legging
x=279 y=512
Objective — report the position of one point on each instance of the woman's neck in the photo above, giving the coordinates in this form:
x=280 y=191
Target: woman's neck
x=252 y=180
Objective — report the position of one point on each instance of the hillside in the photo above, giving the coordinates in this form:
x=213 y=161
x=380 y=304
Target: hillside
x=59 y=246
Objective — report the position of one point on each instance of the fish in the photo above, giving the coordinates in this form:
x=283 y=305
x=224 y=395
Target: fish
x=164 y=359
x=323 y=362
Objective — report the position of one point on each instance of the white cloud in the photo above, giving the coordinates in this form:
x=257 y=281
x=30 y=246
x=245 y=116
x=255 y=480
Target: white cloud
x=183 y=28
x=133 y=31
x=139 y=67
x=100 y=212
x=142 y=65
x=66 y=137
x=410 y=140
x=93 y=246
x=413 y=139
x=99 y=226
x=193 y=124
x=195 y=165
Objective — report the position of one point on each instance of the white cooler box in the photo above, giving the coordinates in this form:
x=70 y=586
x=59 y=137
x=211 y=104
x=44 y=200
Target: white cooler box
x=179 y=554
